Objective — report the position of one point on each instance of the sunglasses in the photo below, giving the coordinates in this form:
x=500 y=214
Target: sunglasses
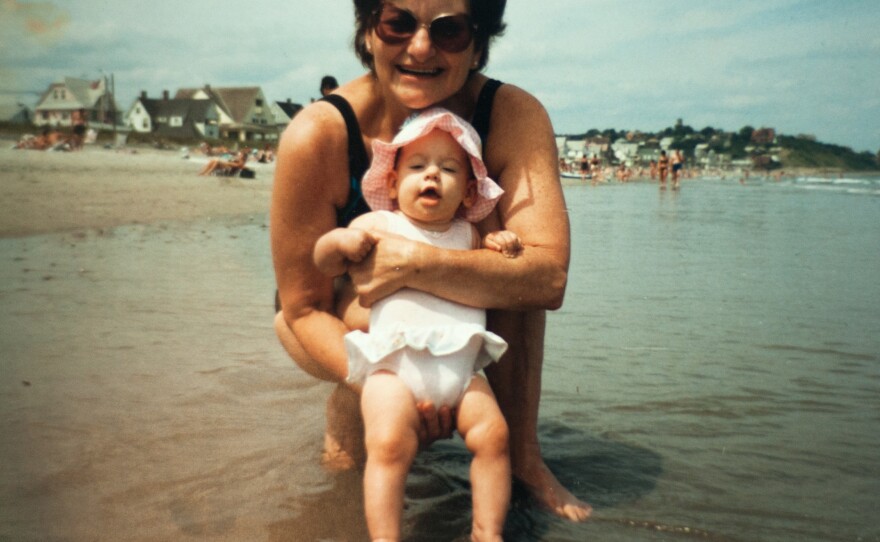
x=450 y=33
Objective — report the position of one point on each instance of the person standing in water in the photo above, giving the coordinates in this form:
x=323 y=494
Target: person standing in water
x=418 y=54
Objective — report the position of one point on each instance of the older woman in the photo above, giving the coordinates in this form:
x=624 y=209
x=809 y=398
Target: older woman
x=422 y=53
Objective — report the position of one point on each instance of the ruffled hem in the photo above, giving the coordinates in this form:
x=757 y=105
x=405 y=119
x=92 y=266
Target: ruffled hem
x=368 y=349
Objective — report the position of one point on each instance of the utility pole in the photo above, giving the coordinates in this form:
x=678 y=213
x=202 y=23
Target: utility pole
x=113 y=104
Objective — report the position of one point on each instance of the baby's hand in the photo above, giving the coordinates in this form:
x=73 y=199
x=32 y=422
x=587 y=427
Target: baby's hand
x=355 y=244
x=504 y=241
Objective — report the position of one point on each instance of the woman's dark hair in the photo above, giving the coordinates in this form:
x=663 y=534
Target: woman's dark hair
x=487 y=15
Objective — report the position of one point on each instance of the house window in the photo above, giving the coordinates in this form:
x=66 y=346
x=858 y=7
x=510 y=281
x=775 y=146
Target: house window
x=176 y=121
x=146 y=124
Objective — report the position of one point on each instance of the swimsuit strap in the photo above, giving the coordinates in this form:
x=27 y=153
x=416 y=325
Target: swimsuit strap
x=357 y=162
x=483 y=110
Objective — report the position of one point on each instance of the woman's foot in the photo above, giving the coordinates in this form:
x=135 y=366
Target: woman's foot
x=344 y=435
x=550 y=493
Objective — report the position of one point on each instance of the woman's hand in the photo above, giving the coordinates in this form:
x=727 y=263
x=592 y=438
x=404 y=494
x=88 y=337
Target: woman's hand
x=435 y=423
x=386 y=268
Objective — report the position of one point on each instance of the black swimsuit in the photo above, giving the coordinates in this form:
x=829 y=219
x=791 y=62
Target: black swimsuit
x=358 y=162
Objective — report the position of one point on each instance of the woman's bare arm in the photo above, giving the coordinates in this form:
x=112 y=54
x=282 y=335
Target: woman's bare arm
x=522 y=156
x=304 y=201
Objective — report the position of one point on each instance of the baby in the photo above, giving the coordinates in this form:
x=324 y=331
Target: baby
x=429 y=184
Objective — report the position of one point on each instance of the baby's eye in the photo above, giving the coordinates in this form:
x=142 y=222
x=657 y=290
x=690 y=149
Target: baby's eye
x=449 y=169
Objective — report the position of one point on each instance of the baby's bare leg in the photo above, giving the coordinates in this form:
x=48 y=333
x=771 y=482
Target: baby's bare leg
x=391 y=422
x=485 y=433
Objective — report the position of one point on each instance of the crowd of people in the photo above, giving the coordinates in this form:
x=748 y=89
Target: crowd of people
x=52 y=139
x=592 y=169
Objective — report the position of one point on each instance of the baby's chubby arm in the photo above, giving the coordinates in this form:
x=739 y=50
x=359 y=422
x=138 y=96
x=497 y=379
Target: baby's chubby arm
x=504 y=241
x=337 y=248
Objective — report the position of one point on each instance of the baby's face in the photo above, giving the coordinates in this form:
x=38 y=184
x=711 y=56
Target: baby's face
x=431 y=179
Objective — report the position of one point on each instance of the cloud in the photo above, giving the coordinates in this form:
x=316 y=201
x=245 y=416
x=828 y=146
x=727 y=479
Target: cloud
x=639 y=64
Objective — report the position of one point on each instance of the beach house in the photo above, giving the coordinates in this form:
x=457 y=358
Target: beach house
x=16 y=113
x=284 y=112
x=176 y=118
x=66 y=101
x=244 y=113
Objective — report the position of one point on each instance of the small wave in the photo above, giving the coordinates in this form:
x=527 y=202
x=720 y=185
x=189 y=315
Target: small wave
x=829 y=351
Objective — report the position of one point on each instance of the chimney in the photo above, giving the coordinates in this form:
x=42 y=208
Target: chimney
x=164 y=94
x=143 y=95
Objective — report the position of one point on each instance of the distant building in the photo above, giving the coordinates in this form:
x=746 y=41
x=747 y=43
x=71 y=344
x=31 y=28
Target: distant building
x=626 y=152
x=284 y=112
x=179 y=118
x=64 y=101
x=16 y=114
x=245 y=115
x=764 y=136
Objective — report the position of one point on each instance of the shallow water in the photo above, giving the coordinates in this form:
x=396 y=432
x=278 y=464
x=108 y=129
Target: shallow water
x=713 y=375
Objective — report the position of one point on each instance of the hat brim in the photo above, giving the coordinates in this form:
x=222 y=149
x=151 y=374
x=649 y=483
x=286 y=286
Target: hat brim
x=374 y=184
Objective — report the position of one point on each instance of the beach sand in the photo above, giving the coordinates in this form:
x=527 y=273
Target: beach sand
x=45 y=192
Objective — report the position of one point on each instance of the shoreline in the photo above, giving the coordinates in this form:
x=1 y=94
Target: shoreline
x=44 y=192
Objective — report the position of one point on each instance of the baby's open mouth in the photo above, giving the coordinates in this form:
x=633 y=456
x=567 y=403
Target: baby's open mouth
x=430 y=193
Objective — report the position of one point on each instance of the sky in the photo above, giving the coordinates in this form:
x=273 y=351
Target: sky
x=799 y=66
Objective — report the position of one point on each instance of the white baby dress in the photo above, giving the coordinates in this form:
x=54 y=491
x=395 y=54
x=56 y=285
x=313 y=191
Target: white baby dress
x=435 y=346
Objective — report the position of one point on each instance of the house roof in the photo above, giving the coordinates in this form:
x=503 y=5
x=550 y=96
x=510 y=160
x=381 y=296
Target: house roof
x=290 y=109
x=9 y=111
x=235 y=101
x=189 y=109
x=84 y=94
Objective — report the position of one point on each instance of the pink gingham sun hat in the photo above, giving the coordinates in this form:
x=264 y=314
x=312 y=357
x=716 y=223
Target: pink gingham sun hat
x=374 y=185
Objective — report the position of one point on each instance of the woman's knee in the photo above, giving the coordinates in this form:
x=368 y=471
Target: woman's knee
x=297 y=353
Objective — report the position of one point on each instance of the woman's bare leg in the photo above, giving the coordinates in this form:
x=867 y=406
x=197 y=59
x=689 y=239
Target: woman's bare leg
x=391 y=422
x=344 y=434
x=516 y=381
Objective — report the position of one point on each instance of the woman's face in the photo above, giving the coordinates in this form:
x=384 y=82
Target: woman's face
x=416 y=72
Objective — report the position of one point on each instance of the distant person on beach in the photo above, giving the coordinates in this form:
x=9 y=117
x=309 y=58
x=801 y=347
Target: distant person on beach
x=430 y=185
x=328 y=85
x=422 y=54
x=78 y=135
x=677 y=165
x=49 y=139
x=218 y=166
x=585 y=166
x=663 y=168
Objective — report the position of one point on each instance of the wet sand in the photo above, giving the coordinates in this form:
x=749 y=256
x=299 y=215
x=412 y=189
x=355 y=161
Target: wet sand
x=145 y=396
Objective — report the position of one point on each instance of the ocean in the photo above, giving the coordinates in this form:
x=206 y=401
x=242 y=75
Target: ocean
x=714 y=374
